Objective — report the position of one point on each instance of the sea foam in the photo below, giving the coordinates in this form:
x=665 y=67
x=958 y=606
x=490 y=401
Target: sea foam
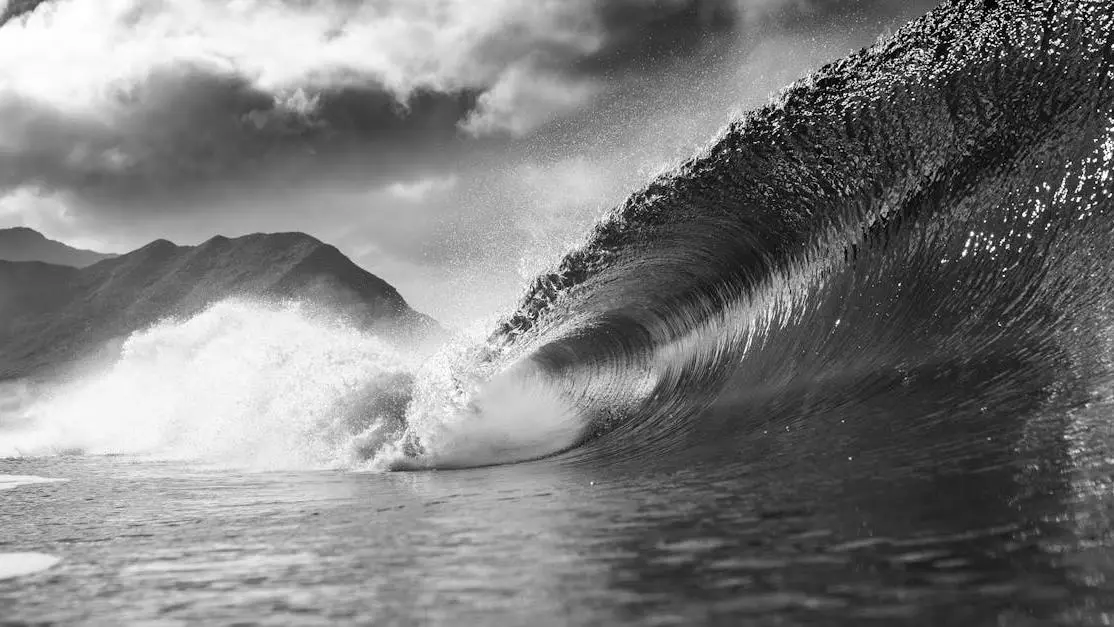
x=8 y=482
x=281 y=387
x=14 y=565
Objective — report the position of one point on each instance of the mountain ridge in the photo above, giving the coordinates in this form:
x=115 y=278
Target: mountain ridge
x=24 y=244
x=52 y=315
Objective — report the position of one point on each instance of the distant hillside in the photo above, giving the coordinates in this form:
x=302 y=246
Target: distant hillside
x=23 y=244
x=51 y=315
x=18 y=8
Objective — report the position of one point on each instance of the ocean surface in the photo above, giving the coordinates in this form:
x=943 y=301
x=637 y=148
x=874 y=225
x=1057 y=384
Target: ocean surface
x=851 y=364
x=854 y=522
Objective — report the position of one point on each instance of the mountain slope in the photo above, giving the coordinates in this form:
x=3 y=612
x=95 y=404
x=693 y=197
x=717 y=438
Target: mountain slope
x=23 y=244
x=18 y=8
x=51 y=315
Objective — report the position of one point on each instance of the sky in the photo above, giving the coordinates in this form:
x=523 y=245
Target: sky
x=453 y=147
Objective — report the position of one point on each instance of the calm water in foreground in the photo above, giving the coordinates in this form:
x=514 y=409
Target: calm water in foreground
x=998 y=524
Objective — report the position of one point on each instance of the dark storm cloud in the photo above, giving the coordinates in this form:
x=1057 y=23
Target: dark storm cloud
x=185 y=126
x=181 y=124
x=434 y=136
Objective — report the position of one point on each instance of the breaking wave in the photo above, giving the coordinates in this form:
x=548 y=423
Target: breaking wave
x=917 y=232
x=920 y=233
x=273 y=387
x=240 y=383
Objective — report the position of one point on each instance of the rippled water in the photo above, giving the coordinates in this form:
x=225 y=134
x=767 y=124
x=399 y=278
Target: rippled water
x=810 y=525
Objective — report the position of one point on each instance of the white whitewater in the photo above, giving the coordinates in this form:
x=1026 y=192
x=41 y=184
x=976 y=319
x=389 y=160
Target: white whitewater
x=265 y=387
x=8 y=482
x=14 y=565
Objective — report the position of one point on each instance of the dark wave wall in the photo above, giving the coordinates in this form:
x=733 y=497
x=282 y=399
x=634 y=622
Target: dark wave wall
x=927 y=221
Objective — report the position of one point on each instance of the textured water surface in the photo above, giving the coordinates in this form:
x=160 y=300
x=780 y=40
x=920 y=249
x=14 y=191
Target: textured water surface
x=812 y=527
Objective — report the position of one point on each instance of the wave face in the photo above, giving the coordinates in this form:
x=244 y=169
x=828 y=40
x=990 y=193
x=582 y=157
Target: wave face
x=917 y=237
x=919 y=228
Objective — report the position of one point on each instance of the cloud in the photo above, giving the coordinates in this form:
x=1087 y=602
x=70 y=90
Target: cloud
x=449 y=137
x=128 y=99
x=79 y=55
x=419 y=190
x=132 y=98
x=524 y=99
x=24 y=207
x=51 y=215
